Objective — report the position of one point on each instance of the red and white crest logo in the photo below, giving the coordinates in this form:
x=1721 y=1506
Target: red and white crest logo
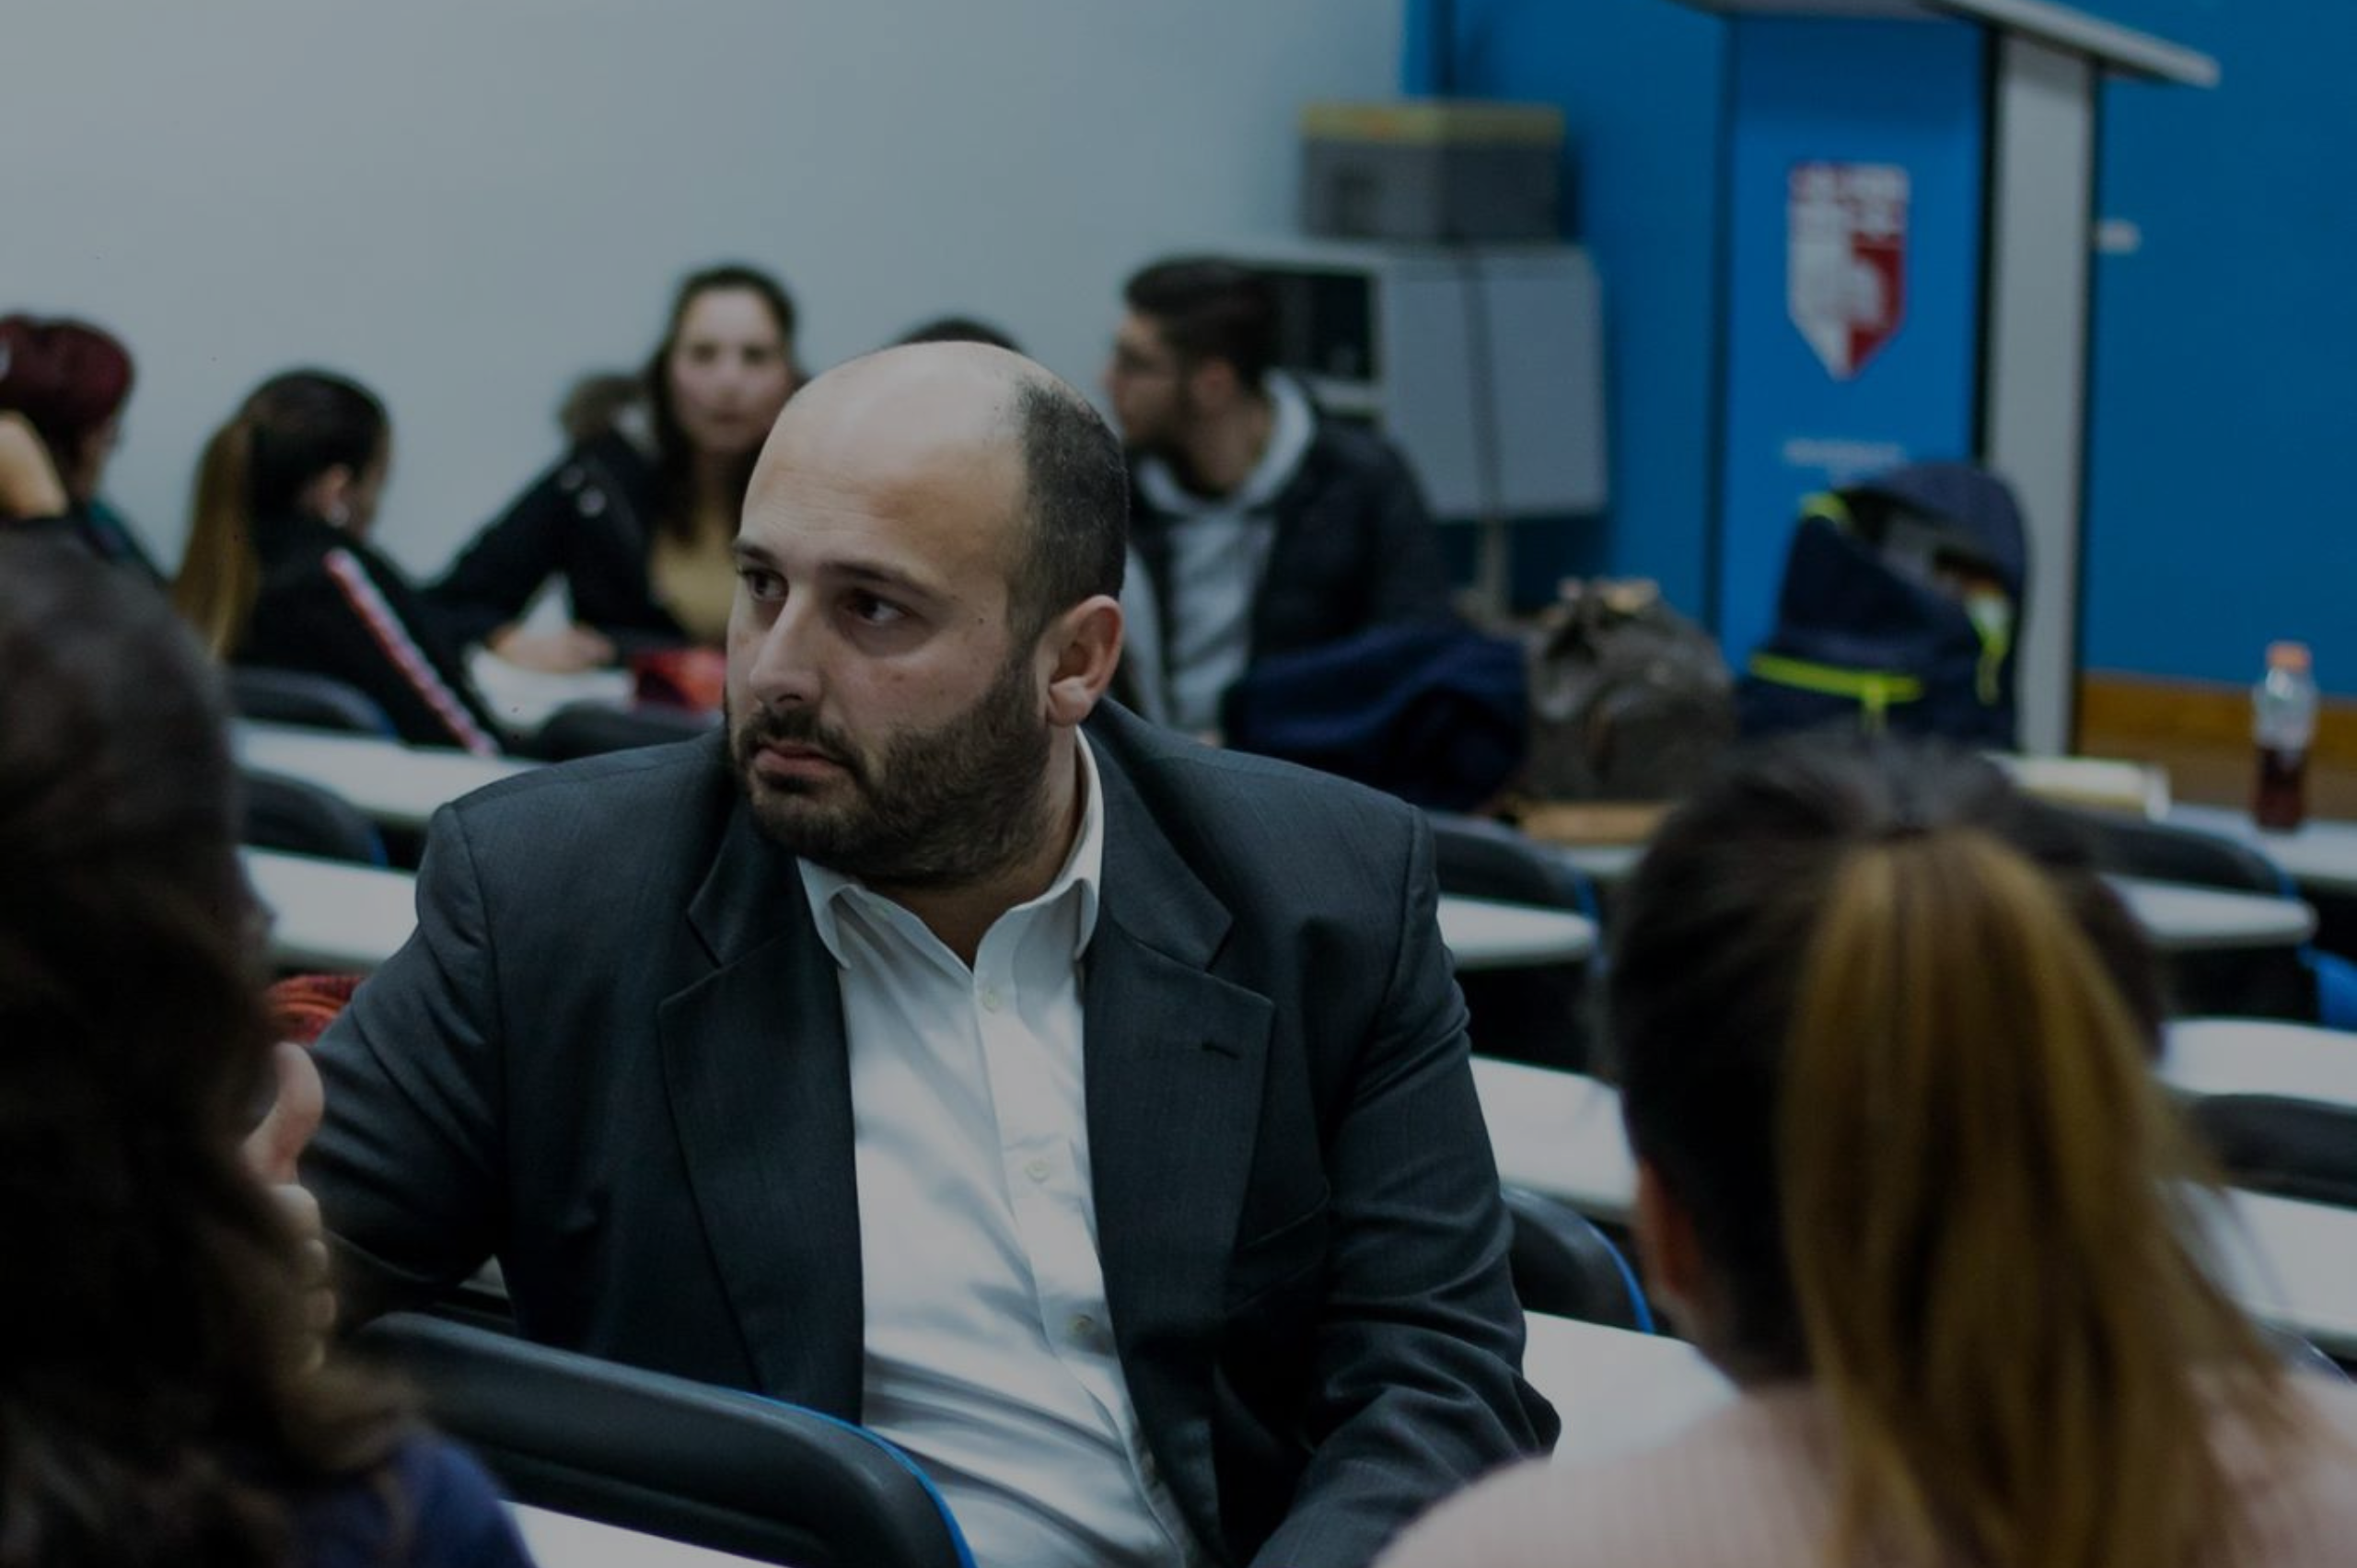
x=1846 y=259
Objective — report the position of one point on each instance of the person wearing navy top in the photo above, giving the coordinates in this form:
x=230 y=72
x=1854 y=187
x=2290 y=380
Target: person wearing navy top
x=164 y=1394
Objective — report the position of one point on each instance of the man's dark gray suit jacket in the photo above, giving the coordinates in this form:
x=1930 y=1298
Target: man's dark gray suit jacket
x=612 y=1054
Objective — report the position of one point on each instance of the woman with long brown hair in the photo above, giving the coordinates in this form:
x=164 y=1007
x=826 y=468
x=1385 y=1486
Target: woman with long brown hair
x=161 y=1399
x=1906 y=1175
x=637 y=519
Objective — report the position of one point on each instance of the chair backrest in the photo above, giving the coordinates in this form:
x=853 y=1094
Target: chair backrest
x=2130 y=846
x=2273 y=982
x=2293 y=1148
x=302 y=817
x=299 y=697
x=1564 y=1267
x=1538 y=1015
x=666 y=1457
x=585 y=730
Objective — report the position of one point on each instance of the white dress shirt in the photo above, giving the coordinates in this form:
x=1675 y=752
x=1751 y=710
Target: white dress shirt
x=988 y=1349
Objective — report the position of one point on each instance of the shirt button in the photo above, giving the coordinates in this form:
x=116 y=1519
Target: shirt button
x=1083 y=1326
x=990 y=999
x=1038 y=1170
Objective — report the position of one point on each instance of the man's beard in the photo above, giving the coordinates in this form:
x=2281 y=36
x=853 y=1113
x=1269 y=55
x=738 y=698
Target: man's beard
x=939 y=807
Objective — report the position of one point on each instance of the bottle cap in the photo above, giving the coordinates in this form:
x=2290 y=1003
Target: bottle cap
x=2287 y=655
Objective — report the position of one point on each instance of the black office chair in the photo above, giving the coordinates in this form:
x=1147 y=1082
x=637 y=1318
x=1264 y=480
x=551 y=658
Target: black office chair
x=2301 y=1356
x=2293 y=1148
x=1537 y=1014
x=666 y=1457
x=587 y=730
x=1564 y=1267
x=2267 y=982
x=299 y=697
x=301 y=818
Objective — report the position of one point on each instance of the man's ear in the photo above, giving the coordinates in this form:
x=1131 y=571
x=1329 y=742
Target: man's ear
x=1083 y=647
x=1212 y=383
x=1668 y=1252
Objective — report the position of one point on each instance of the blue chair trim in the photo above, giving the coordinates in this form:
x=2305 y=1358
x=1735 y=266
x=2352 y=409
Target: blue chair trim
x=899 y=1456
x=1636 y=1292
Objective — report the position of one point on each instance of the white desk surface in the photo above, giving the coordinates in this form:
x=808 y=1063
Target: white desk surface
x=1558 y=1133
x=1617 y=1391
x=1562 y=1138
x=522 y=699
x=560 y=1540
x=396 y=786
x=329 y=914
x=2260 y=1056
x=1486 y=935
x=2320 y=855
x=336 y=916
x=2182 y=919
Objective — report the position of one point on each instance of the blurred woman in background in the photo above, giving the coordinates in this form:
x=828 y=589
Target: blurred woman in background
x=279 y=570
x=63 y=387
x=638 y=518
x=1907 y=1176
x=161 y=1396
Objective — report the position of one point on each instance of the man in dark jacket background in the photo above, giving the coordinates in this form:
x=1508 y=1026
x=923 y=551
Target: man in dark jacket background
x=1260 y=524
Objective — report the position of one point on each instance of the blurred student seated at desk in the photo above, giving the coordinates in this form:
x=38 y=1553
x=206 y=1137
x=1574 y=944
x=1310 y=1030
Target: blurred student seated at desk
x=942 y=1048
x=63 y=387
x=1258 y=525
x=1905 y=1174
x=638 y=518
x=162 y=1389
x=279 y=570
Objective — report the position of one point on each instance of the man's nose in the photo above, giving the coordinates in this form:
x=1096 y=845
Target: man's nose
x=787 y=670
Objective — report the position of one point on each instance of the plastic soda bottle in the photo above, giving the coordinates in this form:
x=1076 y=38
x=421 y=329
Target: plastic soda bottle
x=2282 y=722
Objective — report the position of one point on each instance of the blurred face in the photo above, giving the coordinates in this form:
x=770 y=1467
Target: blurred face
x=367 y=489
x=730 y=370
x=883 y=719
x=1147 y=384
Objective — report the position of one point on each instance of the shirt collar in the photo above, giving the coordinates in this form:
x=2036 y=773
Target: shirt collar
x=1080 y=879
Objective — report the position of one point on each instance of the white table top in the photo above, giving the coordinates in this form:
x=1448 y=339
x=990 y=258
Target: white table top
x=336 y=916
x=1558 y=1133
x=1486 y=935
x=2182 y=919
x=560 y=1540
x=2260 y=1056
x=1617 y=1391
x=330 y=914
x=396 y=786
x=1562 y=1138
x=2320 y=855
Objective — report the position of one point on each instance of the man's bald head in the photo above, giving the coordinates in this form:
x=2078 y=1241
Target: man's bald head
x=994 y=422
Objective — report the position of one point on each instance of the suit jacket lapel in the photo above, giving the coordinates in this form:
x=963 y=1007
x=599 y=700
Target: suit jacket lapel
x=1175 y=1057
x=760 y=1085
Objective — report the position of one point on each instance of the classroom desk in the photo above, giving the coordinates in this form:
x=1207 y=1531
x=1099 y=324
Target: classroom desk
x=1617 y=1391
x=2319 y=855
x=330 y=914
x=560 y=1540
x=393 y=785
x=2260 y=1056
x=1558 y=1133
x=1483 y=934
x=2290 y=1262
x=2178 y=918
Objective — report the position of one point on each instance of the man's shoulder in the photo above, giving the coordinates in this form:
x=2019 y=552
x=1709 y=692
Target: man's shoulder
x=1224 y=799
x=630 y=791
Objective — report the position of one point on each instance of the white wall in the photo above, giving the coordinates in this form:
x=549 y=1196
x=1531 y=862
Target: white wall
x=467 y=203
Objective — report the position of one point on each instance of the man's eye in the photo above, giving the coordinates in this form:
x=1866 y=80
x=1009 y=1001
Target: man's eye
x=875 y=611
x=761 y=582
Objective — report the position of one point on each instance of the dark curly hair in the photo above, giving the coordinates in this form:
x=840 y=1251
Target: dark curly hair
x=155 y=1403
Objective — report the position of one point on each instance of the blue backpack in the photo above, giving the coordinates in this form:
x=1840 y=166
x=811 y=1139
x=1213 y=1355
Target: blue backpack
x=1898 y=610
